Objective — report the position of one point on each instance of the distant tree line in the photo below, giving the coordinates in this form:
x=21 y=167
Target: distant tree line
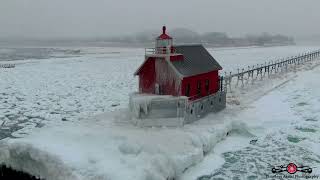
x=216 y=39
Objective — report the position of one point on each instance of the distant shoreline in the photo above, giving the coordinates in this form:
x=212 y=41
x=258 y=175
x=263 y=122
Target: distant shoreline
x=50 y=43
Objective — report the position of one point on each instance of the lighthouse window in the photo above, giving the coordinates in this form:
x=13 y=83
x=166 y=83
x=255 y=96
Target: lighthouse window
x=199 y=88
x=188 y=90
x=207 y=85
x=164 y=43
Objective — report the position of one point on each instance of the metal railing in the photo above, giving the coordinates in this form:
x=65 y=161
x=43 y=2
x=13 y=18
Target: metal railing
x=160 y=50
x=7 y=65
x=273 y=67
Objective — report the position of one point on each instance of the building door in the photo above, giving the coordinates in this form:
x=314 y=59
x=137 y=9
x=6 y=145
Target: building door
x=157 y=88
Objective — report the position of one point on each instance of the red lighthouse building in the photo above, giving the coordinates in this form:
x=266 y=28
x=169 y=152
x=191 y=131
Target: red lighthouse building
x=187 y=70
x=180 y=71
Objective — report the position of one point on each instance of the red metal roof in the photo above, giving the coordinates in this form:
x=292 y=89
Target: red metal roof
x=164 y=35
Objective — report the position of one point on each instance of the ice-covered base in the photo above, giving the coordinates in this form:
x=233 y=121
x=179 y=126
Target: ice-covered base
x=149 y=110
x=142 y=102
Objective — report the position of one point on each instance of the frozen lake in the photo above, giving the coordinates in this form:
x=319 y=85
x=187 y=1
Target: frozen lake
x=52 y=88
x=65 y=84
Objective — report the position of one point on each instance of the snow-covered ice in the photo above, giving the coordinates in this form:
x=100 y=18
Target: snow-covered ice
x=284 y=126
x=68 y=89
x=59 y=95
x=108 y=147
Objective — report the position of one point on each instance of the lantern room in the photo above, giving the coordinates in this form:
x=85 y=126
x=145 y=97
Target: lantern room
x=163 y=42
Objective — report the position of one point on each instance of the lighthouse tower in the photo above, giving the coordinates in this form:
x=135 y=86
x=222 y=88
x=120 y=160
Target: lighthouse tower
x=164 y=44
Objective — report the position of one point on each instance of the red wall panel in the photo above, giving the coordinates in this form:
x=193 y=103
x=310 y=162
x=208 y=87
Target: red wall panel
x=213 y=78
x=147 y=77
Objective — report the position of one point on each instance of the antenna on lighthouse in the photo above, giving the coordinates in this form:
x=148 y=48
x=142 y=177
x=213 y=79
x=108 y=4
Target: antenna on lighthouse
x=164 y=29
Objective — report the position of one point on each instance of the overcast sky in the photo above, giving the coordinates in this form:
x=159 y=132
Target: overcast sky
x=96 y=18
